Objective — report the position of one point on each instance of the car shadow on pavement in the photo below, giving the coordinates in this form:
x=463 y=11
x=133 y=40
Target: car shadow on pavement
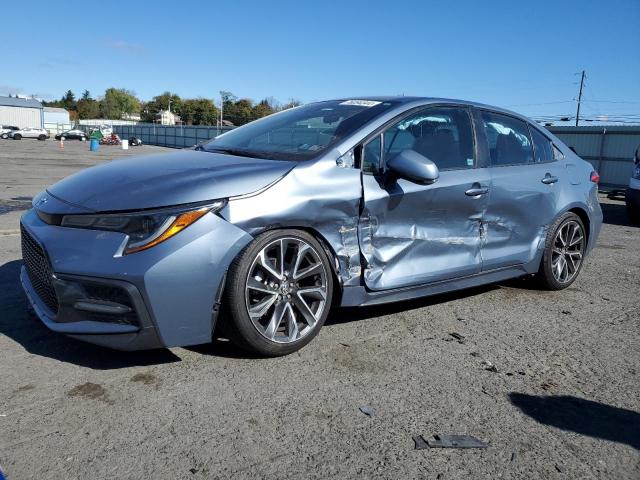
x=615 y=214
x=23 y=327
x=585 y=417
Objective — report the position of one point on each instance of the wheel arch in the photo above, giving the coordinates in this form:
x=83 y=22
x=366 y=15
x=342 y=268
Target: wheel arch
x=329 y=250
x=586 y=221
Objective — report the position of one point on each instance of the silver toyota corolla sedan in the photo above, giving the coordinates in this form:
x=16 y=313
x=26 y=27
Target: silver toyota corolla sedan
x=263 y=230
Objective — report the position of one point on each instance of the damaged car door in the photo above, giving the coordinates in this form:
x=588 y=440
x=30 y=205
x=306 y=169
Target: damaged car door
x=525 y=184
x=413 y=232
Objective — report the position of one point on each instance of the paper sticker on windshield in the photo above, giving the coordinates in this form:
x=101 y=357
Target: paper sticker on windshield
x=361 y=103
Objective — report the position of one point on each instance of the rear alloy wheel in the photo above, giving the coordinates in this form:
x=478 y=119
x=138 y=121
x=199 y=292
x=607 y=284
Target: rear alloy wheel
x=279 y=292
x=564 y=252
x=42 y=137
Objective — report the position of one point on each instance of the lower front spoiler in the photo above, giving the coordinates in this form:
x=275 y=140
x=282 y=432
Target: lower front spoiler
x=112 y=335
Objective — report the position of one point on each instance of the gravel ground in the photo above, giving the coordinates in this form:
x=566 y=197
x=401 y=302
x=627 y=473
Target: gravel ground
x=550 y=380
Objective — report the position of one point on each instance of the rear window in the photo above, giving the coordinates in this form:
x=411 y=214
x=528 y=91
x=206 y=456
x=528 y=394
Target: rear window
x=508 y=138
x=543 y=149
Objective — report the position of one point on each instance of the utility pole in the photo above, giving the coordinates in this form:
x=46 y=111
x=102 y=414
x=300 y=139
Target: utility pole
x=221 y=112
x=580 y=98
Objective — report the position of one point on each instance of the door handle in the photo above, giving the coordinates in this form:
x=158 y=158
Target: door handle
x=474 y=192
x=549 y=179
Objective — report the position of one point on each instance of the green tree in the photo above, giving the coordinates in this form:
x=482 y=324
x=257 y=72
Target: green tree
x=68 y=100
x=161 y=102
x=88 y=108
x=86 y=95
x=264 y=108
x=239 y=112
x=199 y=111
x=118 y=102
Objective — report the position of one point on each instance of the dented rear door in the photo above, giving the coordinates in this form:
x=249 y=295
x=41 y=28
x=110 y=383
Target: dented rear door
x=523 y=201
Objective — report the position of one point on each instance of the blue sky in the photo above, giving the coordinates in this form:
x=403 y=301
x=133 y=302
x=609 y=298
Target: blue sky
x=521 y=55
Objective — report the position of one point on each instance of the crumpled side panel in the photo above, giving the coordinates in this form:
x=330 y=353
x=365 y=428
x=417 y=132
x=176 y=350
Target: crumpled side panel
x=521 y=210
x=414 y=234
x=322 y=196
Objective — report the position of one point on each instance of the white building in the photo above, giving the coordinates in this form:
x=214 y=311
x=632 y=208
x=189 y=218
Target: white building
x=56 y=120
x=21 y=112
x=167 y=117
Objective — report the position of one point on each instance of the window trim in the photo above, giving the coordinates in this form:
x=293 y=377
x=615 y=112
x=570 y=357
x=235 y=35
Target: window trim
x=362 y=148
x=380 y=130
x=489 y=159
x=531 y=128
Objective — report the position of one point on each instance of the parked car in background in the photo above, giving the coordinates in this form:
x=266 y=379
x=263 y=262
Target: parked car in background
x=29 y=132
x=6 y=129
x=72 y=135
x=135 y=141
x=632 y=196
x=337 y=203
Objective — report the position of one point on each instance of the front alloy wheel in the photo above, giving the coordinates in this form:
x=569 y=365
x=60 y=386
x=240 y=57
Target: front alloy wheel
x=285 y=295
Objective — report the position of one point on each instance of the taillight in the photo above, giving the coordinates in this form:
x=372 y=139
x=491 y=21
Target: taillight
x=595 y=177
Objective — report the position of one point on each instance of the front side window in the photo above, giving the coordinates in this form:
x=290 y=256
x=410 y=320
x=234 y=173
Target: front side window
x=300 y=133
x=442 y=134
x=543 y=150
x=508 y=138
x=372 y=155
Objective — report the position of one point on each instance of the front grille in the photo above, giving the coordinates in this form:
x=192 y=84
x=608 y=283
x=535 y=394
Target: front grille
x=39 y=270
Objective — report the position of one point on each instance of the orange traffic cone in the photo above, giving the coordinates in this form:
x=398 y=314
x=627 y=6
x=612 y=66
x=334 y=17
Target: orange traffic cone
x=61 y=144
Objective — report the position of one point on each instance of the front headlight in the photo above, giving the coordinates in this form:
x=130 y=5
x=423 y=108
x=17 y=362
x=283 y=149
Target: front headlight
x=144 y=229
x=636 y=172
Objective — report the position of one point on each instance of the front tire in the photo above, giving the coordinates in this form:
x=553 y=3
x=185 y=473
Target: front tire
x=17 y=137
x=278 y=293
x=563 y=253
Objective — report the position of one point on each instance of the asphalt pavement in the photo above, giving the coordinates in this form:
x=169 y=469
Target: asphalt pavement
x=550 y=380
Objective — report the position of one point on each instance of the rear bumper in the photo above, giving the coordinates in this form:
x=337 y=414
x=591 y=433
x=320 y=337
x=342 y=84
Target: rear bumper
x=172 y=289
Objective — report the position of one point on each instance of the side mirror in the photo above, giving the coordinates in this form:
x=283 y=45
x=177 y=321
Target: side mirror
x=414 y=167
x=636 y=158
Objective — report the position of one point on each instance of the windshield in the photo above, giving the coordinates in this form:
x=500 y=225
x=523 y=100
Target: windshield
x=300 y=133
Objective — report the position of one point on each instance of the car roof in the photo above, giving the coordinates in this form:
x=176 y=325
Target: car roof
x=402 y=99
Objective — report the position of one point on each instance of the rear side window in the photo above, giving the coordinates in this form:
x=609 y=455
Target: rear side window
x=543 y=150
x=442 y=134
x=508 y=138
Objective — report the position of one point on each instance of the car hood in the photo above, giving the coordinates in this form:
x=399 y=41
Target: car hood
x=163 y=180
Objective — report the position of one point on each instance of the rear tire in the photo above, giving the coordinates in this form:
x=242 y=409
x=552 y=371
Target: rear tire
x=563 y=252
x=276 y=307
x=42 y=137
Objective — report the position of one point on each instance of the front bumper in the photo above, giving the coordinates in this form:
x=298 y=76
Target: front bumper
x=84 y=325
x=172 y=289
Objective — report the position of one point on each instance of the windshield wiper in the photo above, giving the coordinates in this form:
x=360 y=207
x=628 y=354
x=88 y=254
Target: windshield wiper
x=231 y=151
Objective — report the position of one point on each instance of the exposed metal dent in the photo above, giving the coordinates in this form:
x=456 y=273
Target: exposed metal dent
x=319 y=195
x=412 y=234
